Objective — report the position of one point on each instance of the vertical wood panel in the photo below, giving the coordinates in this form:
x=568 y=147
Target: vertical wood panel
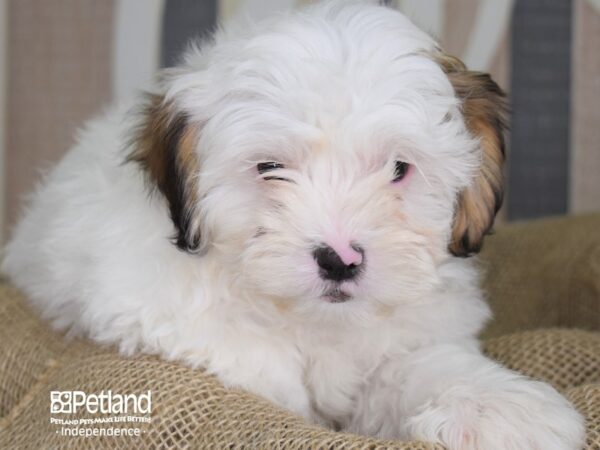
x=3 y=117
x=136 y=44
x=540 y=84
x=182 y=22
x=458 y=24
x=59 y=74
x=252 y=9
x=585 y=148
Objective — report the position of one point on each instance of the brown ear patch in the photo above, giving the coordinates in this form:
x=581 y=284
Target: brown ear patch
x=164 y=146
x=485 y=109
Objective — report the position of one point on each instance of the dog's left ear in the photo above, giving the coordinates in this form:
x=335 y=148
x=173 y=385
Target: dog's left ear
x=484 y=108
x=165 y=147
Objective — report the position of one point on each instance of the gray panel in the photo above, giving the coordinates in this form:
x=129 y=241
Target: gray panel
x=540 y=85
x=183 y=21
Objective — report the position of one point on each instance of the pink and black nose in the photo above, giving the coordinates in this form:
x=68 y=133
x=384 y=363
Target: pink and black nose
x=339 y=266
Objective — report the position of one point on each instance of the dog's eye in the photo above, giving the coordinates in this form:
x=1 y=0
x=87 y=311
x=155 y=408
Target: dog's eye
x=268 y=166
x=400 y=170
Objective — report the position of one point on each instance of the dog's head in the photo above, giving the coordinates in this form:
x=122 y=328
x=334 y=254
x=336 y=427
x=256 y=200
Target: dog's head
x=334 y=155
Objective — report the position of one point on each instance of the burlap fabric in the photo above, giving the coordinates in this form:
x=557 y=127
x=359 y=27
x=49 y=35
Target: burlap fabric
x=192 y=410
x=544 y=273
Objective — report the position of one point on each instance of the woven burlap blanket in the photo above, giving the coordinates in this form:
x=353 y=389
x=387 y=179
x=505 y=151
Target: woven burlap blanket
x=193 y=410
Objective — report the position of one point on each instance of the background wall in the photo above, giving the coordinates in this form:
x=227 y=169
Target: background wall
x=62 y=61
x=3 y=89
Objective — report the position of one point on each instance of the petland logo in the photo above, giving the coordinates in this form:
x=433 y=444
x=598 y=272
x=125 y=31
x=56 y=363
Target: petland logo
x=70 y=402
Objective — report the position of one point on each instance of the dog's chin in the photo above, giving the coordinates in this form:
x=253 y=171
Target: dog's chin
x=336 y=295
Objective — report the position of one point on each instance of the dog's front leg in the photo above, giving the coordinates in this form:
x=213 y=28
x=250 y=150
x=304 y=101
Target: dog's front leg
x=454 y=395
x=269 y=369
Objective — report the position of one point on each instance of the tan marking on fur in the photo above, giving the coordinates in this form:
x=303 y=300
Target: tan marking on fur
x=484 y=109
x=385 y=311
x=147 y=150
x=282 y=304
x=323 y=143
x=188 y=162
x=165 y=147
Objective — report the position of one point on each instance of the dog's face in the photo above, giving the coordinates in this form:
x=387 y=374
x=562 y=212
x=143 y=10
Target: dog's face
x=321 y=162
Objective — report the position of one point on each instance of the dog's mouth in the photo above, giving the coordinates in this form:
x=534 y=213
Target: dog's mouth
x=336 y=295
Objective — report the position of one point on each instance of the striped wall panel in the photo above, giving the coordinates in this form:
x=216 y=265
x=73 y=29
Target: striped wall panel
x=540 y=85
x=67 y=59
x=3 y=115
x=584 y=193
x=59 y=62
x=184 y=20
x=135 y=45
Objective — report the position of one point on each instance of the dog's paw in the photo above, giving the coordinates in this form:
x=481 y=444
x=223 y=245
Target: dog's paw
x=516 y=415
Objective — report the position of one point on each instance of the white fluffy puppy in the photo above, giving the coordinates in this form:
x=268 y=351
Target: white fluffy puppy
x=291 y=209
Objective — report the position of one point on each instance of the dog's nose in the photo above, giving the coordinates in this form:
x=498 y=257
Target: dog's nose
x=333 y=267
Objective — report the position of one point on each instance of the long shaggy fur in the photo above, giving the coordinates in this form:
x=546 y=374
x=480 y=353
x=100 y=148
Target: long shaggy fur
x=157 y=233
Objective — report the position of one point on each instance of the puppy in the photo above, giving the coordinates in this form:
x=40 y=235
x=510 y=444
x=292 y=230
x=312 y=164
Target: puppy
x=293 y=209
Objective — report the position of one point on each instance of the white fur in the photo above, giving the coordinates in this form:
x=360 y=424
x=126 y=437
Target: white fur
x=337 y=93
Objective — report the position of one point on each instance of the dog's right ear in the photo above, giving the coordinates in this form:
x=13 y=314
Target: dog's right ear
x=484 y=108
x=164 y=145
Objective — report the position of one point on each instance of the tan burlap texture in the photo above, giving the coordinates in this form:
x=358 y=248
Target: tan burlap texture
x=192 y=410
